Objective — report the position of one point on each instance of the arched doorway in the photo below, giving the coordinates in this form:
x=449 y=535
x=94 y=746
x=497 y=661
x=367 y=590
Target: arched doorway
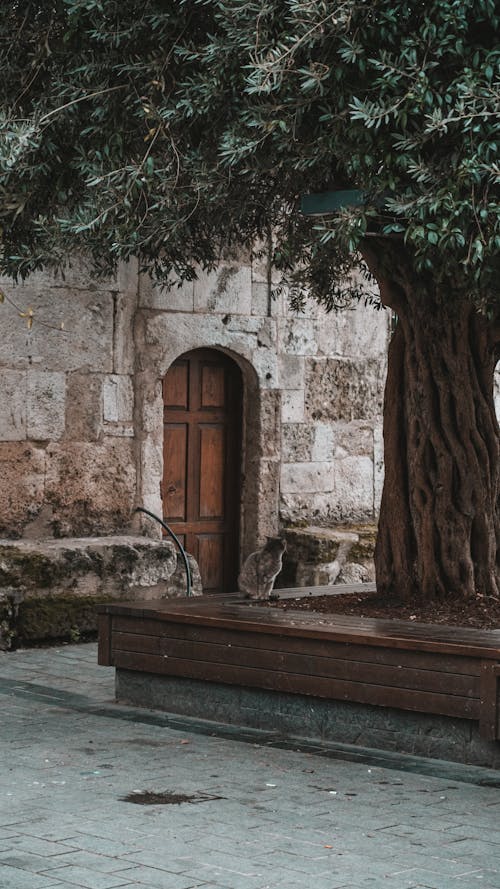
x=201 y=490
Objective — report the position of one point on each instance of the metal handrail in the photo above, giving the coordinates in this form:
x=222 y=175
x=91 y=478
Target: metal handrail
x=179 y=544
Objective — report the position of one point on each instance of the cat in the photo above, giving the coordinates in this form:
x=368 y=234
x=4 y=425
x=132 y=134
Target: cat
x=259 y=571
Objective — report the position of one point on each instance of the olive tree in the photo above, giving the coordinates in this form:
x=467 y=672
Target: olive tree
x=170 y=130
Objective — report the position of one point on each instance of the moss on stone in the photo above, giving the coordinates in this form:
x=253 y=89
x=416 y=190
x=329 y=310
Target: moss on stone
x=78 y=562
x=26 y=569
x=124 y=560
x=57 y=617
x=315 y=545
x=51 y=595
x=32 y=569
x=363 y=550
x=312 y=545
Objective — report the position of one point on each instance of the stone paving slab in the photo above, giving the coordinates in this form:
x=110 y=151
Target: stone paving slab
x=266 y=813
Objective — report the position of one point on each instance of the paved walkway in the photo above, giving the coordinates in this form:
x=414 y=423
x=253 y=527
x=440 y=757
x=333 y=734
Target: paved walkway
x=261 y=816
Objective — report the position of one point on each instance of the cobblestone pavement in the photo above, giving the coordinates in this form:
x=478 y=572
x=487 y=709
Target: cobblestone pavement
x=261 y=816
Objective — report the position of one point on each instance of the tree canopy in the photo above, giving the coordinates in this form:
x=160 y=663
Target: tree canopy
x=170 y=131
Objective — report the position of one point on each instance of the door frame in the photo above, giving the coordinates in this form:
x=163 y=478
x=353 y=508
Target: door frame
x=261 y=434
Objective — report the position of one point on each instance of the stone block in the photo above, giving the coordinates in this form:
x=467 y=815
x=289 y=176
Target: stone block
x=298 y=439
x=343 y=390
x=152 y=461
x=265 y=363
x=91 y=485
x=261 y=302
x=307 y=477
x=165 y=340
x=316 y=544
x=314 y=574
x=267 y=495
x=354 y=486
x=323 y=445
x=85 y=343
x=13 y=407
x=364 y=549
x=353 y=438
x=46 y=405
x=149 y=395
x=260 y=267
x=119 y=430
x=292 y=406
x=54 y=585
x=265 y=302
x=354 y=572
x=252 y=327
x=22 y=470
x=177 y=297
x=292 y=375
x=78 y=274
x=124 y=321
x=227 y=289
x=319 y=556
x=84 y=406
x=85 y=566
x=118 y=399
x=298 y=337
x=267 y=334
x=357 y=332
x=270 y=410
x=127 y=277
x=326 y=507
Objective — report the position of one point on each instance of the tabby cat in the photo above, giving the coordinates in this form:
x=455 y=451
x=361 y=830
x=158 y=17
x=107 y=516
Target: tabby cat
x=259 y=571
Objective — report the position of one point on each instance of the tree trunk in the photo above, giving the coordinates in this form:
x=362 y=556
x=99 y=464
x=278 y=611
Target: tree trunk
x=439 y=523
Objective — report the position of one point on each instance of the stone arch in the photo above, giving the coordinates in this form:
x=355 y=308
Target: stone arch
x=261 y=427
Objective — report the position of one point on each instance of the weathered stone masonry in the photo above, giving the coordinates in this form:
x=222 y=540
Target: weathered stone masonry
x=81 y=409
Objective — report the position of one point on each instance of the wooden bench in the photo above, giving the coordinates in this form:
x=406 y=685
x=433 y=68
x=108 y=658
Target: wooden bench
x=388 y=663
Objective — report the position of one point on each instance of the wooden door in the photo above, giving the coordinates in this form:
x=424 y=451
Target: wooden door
x=202 y=394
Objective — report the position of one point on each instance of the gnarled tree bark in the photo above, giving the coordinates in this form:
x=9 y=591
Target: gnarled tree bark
x=439 y=529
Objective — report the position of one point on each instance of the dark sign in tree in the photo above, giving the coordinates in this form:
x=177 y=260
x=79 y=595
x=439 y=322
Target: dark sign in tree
x=168 y=131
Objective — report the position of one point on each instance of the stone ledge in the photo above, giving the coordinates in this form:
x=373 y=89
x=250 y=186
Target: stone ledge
x=49 y=588
x=318 y=556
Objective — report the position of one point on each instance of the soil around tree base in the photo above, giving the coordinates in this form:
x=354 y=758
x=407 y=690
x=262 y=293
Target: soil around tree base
x=482 y=612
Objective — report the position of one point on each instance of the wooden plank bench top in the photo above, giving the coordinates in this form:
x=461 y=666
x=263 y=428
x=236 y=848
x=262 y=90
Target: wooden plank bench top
x=233 y=612
x=452 y=671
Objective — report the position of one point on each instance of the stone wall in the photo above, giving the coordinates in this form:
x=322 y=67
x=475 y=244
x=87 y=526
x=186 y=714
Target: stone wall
x=81 y=432
x=67 y=453
x=313 y=394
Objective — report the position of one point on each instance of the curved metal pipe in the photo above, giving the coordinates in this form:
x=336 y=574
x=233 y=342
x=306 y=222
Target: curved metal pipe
x=174 y=537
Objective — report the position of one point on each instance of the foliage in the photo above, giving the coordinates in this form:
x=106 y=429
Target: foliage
x=172 y=130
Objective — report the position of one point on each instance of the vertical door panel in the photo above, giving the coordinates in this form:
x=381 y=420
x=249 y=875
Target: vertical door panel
x=212 y=462
x=212 y=386
x=174 y=462
x=211 y=556
x=201 y=480
x=176 y=386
